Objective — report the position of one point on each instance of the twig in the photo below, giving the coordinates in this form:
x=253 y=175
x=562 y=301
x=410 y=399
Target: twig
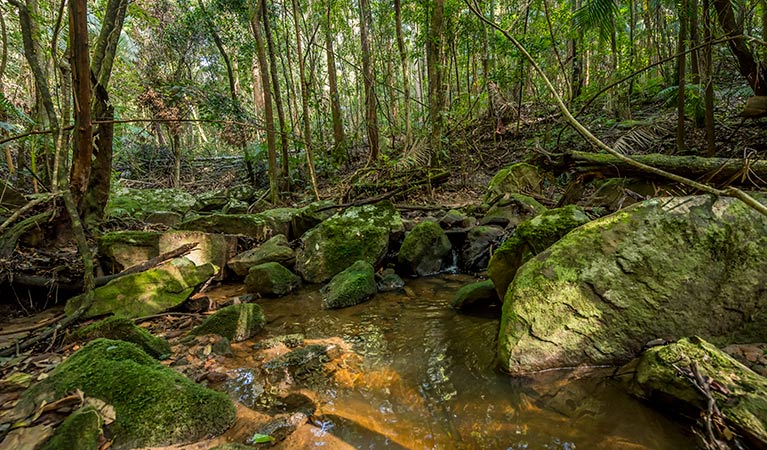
x=25 y=208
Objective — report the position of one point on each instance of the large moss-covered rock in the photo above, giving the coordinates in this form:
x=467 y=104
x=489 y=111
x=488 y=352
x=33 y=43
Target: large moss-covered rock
x=138 y=203
x=275 y=249
x=511 y=210
x=122 y=329
x=359 y=233
x=661 y=268
x=252 y=225
x=271 y=279
x=236 y=322
x=146 y=293
x=211 y=248
x=519 y=178
x=81 y=431
x=424 y=250
x=740 y=394
x=154 y=405
x=123 y=249
x=475 y=295
x=351 y=287
x=530 y=238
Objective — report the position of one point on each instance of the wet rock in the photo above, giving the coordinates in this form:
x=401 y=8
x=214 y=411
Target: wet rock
x=236 y=323
x=351 y=287
x=275 y=249
x=664 y=267
x=154 y=405
x=120 y=328
x=390 y=281
x=359 y=233
x=123 y=249
x=146 y=293
x=288 y=340
x=530 y=238
x=455 y=219
x=740 y=394
x=139 y=203
x=475 y=253
x=233 y=446
x=280 y=427
x=314 y=353
x=520 y=178
x=425 y=250
x=511 y=210
x=81 y=430
x=475 y=295
x=271 y=279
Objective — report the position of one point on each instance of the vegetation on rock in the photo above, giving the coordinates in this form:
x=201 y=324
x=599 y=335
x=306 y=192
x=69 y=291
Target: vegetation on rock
x=235 y=322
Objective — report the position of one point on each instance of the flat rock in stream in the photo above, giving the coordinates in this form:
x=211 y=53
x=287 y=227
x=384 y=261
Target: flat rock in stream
x=662 y=268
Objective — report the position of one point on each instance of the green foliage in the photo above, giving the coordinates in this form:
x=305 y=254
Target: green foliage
x=599 y=14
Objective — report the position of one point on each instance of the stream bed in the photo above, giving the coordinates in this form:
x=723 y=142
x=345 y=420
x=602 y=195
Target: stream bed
x=423 y=377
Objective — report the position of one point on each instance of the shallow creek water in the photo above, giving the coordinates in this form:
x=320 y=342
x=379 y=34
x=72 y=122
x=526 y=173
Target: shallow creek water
x=426 y=379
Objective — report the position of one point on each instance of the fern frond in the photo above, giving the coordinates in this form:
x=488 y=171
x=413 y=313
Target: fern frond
x=599 y=14
x=640 y=139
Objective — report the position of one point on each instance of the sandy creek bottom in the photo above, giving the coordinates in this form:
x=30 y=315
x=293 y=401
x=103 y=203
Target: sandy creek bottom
x=423 y=376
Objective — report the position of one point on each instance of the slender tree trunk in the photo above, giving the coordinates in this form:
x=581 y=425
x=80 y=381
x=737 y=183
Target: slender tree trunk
x=435 y=72
x=576 y=83
x=305 y=101
x=255 y=26
x=681 y=76
x=694 y=41
x=754 y=71
x=284 y=145
x=405 y=76
x=81 y=85
x=368 y=77
x=335 y=103
x=222 y=50
x=708 y=68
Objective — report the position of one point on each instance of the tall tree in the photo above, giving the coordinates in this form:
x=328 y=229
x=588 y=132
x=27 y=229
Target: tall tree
x=277 y=95
x=403 y=58
x=81 y=84
x=368 y=78
x=681 y=74
x=335 y=102
x=434 y=47
x=754 y=71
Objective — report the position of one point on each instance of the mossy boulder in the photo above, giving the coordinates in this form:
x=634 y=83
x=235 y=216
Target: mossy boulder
x=661 y=268
x=425 y=250
x=81 y=431
x=138 y=203
x=154 y=405
x=511 y=210
x=212 y=248
x=123 y=249
x=271 y=279
x=475 y=251
x=351 y=287
x=146 y=293
x=236 y=322
x=122 y=329
x=740 y=394
x=455 y=219
x=359 y=233
x=530 y=238
x=475 y=295
x=519 y=178
x=251 y=225
x=275 y=249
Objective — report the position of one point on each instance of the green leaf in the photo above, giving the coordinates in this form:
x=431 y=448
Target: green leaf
x=598 y=14
x=261 y=438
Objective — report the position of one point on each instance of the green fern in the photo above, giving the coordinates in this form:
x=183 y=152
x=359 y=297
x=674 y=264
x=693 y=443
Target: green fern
x=599 y=14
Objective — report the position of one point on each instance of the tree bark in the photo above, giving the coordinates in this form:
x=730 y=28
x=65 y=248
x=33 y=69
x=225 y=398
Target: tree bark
x=681 y=74
x=255 y=27
x=368 y=78
x=435 y=73
x=405 y=76
x=708 y=79
x=335 y=103
x=305 y=101
x=81 y=85
x=754 y=71
x=275 y=90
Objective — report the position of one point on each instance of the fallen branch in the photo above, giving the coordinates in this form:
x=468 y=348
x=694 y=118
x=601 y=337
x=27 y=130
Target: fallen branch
x=156 y=261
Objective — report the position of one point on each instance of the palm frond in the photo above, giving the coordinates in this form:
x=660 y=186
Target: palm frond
x=417 y=155
x=640 y=139
x=599 y=14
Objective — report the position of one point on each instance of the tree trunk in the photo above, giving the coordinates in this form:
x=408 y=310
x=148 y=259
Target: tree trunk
x=754 y=71
x=368 y=78
x=708 y=79
x=81 y=85
x=435 y=72
x=576 y=83
x=305 y=102
x=681 y=75
x=335 y=103
x=404 y=64
x=277 y=98
x=255 y=26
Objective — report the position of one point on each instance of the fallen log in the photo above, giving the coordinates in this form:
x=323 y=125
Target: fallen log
x=721 y=171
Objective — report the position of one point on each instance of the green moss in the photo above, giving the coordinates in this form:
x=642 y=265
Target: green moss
x=137 y=203
x=424 y=249
x=81 y=431
x=235 y=322
x=354 y=285
x=146 y=293
x=154 y=405
x=517 y=178
x=474 y=294
x=271 y=279
x=530 y=238
x=124 y=330
x=252 y=225
x=275 y=249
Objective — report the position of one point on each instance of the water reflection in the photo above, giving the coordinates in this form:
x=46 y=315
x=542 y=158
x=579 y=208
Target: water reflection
x=423 y=377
